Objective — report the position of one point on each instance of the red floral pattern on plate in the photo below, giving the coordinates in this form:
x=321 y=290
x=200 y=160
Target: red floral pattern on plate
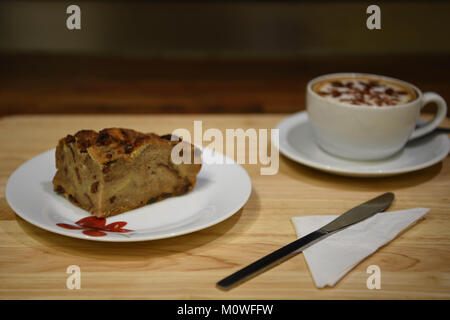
x=96 y=227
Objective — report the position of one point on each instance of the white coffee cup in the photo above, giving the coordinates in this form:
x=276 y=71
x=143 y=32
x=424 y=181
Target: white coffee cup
x=368 y=132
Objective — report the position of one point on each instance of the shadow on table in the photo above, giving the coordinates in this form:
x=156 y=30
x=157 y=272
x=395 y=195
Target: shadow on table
x=121 y=253
x=320 y=178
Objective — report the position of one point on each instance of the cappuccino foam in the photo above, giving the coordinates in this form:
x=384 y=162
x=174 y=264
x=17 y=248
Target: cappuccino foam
x=365 y=91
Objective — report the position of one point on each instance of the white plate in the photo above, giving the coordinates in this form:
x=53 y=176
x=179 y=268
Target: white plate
x=221 y=190
x=297 y=143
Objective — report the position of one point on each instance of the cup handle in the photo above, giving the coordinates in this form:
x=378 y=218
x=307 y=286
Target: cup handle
x=438 y=118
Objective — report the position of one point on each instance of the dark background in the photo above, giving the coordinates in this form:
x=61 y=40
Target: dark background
x=208 y=56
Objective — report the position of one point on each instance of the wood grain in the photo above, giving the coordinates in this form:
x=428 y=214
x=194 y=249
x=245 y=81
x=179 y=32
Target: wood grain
x=33 y=262
x=82 y=84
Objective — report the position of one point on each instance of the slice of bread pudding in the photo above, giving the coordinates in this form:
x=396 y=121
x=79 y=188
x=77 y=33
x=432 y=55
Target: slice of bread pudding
x=116 y=170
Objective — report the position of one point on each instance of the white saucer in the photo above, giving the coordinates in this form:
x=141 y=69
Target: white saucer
x=221 y=190
x=297 y=143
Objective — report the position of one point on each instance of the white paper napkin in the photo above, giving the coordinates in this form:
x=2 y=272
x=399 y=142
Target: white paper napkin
x=331 y=258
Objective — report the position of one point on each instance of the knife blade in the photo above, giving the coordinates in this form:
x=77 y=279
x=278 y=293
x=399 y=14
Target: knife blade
x=352 y=216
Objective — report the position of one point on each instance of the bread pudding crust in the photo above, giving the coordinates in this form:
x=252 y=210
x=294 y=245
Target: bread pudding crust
x=116 y=170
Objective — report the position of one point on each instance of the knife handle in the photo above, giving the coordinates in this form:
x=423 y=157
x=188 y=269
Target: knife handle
x=270 y=260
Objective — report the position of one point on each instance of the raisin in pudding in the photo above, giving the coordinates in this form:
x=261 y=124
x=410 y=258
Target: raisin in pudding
x=116 y=170
x=365 y=91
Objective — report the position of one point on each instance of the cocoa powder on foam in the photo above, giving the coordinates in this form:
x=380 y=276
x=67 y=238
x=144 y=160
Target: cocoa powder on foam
x=365 y=91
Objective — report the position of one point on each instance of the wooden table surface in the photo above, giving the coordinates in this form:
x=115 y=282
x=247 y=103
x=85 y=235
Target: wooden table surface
x=33 y=262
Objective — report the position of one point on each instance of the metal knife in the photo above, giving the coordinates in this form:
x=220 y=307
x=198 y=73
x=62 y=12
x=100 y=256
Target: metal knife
x=355 y=215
